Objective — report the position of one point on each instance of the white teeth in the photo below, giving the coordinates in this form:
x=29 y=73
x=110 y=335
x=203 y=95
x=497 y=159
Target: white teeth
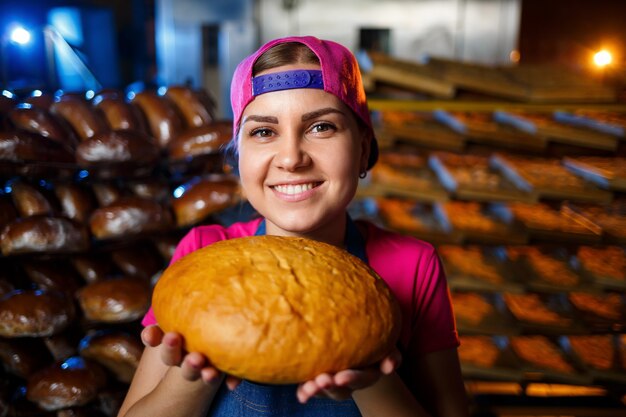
x=293 y=189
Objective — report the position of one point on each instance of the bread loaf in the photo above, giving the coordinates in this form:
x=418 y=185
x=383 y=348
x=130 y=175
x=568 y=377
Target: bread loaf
x=85 y=121
x=38 y=120
x=277 y=309
x=117 y=351
x=192 y=110
x=27 y=313
x=77 y=202
x=29 y=201
x=203 y=140
x=120 y=146
x=31 y=147
x=129 y=216
x=117 y=300
x=119 y=114
x=164 y=122
x=202 y=198
x=43 y=234
x=70 y=383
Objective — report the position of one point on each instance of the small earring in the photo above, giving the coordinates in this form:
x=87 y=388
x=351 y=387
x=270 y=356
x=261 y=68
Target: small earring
x=363 y=174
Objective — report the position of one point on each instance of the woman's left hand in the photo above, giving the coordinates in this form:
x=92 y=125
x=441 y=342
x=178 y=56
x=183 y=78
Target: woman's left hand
x=340 y=386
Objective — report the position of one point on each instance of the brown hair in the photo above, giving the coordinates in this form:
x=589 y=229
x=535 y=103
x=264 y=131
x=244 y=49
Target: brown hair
x=285 y=54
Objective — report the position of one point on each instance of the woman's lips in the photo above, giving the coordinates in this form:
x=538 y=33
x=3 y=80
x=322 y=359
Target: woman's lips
x=298 y=191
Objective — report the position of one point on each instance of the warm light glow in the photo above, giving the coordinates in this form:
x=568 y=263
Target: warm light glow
x=602 y=58
x=514 y=56
x=20 y=35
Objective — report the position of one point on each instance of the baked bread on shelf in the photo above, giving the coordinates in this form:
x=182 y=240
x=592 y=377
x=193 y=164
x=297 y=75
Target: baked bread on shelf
x=202 y=197
x=541 y=353
x=115 y=300
x=44 y=234
x=72 y=382
x=471 y=177
x=29 y=313
x=605 y=264
x=531 y=309
x=548 y=178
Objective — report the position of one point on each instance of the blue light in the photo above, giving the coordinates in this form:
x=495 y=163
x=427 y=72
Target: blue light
x=36 y=93
x=89 y=94
x=20 y=35
x=130 y=95
x=162 y=90
x=8 y=94
x=179 y=191
x=82 y=174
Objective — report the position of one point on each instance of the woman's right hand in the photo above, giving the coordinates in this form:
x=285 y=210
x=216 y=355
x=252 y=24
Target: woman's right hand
x=194 y=365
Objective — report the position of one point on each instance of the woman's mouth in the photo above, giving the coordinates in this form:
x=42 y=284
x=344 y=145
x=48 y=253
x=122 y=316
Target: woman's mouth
x=295 y=189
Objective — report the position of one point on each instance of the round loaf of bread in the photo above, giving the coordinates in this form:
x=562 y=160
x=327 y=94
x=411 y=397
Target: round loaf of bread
x=164 y=123
x=275 y=309
x=119 y=114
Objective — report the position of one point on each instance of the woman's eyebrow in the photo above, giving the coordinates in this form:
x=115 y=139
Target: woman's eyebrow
x=261 y=119
x=320 y=112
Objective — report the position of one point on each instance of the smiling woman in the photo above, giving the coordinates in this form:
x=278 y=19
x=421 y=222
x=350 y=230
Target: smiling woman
x=304 y=136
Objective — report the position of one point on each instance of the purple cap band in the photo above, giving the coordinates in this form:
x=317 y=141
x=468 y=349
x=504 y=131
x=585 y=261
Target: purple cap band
x=287 y=80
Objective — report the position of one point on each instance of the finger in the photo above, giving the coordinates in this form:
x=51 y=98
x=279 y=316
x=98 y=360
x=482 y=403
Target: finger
x=192 y=366
x=354 y=379
x=209 y=375
x=232 y=382
x=306 y=391
x=324 y=381
x=391 y=362
x=152 y=335
x=171 y=349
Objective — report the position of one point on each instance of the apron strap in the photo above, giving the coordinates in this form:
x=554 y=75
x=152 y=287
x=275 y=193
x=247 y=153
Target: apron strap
x=354 y=241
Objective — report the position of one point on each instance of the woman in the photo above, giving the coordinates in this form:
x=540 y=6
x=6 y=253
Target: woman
x=304 y=137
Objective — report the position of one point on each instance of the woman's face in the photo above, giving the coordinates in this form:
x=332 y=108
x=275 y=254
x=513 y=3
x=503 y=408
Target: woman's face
x=300 y=155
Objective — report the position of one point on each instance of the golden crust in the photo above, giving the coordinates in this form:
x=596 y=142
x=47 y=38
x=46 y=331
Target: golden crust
x=278 y=309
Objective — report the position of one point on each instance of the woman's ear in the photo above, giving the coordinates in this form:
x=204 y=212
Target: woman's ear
x=366 y=146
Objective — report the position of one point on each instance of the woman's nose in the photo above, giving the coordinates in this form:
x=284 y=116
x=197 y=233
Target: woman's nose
x=291 y=154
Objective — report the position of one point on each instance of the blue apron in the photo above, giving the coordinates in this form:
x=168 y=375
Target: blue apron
x=251 y=399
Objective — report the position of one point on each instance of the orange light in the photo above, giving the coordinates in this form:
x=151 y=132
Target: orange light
x=602 y=58
x=514 y=56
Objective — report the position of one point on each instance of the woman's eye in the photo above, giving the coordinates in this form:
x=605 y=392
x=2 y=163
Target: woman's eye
x=261 y=133
x=322 y=127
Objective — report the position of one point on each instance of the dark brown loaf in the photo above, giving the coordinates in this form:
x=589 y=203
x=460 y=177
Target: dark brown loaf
x=138 y=261
x=30 y=147
x=52 y=275
x=203 y=140
x=23 y=356
x=29 y=201
x=77 y=202
x=120 y=146
x=30 y=313
x=71 y=383
x=115 y=300
x=193 y=111
x=128 y=216
x=40 y=121
x=278 y=309
x=85 y=121
x=117 y=351
x=119 y=114
x=164 y=122
x=43 y=234
x=106 y=193
x=202 y=198
x=93 y=267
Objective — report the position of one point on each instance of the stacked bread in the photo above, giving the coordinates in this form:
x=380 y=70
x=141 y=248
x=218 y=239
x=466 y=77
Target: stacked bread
x=95 y=195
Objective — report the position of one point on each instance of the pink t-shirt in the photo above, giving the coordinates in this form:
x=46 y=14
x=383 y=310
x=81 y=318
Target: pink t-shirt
x=410 y=267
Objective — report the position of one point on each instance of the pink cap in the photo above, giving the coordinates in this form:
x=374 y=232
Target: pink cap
x=340 y=75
